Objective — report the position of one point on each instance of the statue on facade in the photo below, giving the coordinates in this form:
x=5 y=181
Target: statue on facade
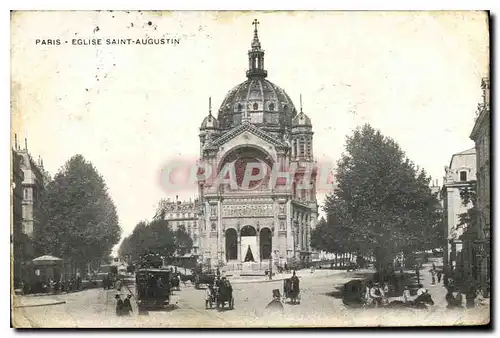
x=282 y=225
x=286 y=139
x=282 y=208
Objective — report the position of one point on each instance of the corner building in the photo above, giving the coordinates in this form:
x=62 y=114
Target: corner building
x=250 y=228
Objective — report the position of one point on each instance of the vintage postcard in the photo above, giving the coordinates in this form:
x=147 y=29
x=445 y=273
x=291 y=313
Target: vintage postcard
x=250 y=169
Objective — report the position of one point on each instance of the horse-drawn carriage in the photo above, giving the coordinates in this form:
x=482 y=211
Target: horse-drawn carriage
x=152 y=288
x=220 y=295
x=354 y=296
x=291 y=290
x=223 y=295
x=201 y=277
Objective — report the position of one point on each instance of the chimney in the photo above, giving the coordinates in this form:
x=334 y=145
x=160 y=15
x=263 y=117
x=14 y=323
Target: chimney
x=25 y=143
x=15 y=142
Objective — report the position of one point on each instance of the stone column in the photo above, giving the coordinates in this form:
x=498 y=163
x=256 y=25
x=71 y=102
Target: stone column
x=275 y=225
x=220 y=235
x=238 y=249
x=257 y=254
x=208 y=229
x=289 y=224
x=301 y=231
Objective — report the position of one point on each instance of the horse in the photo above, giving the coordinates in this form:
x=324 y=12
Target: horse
x=225 y=294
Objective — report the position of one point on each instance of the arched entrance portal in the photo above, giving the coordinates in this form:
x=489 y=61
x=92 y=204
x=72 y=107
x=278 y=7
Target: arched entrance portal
x=249 y=249
x=265 y=243
x=231 y=244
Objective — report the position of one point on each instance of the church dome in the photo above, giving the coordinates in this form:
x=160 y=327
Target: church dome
x=257 y=100
x=261 y=100
x=209 y=122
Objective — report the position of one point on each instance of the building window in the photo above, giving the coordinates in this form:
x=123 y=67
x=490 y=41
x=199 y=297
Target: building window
x=255 y=106
x=463 y=176
x=240 y=107
x=271 y=106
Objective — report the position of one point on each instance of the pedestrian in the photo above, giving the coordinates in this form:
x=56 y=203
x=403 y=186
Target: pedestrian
x=386 y=288
x=479 y=297
x=376 y=294
x=368 y=293
x=433 y=274
x=439 y=275
x=470 y=297
x=406 y=294
x=119 y=305
x=275 y=305
x=208 y=295
x=421 y=290
x=127 y=306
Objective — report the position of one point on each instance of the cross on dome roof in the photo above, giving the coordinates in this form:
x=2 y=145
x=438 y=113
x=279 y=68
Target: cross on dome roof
x=255 y=42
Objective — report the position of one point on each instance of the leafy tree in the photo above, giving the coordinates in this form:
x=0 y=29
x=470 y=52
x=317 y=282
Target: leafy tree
x=79 y=218
x=321 y=236
x=183 y=242
x=382 y=203
x=156 y=237
x=125 y=248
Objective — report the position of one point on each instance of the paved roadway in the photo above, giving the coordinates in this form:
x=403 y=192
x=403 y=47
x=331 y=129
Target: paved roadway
x=96 y=308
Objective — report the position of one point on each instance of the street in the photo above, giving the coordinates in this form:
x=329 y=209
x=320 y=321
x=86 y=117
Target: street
x=320 y=306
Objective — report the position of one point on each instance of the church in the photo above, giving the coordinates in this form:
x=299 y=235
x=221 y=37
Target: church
x=248 y=227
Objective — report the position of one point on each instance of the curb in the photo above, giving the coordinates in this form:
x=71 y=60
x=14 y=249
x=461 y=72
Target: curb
x=261 y=281
x=257 y=281
x=38 y=305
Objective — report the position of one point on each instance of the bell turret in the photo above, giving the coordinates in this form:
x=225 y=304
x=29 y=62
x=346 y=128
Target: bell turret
x=302 y=135
x=209 y=127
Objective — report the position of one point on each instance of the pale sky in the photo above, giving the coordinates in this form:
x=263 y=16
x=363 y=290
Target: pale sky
x=129 y=109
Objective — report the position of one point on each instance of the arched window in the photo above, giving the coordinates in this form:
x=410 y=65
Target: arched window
x=240 y=107
x=255 y=106
x=285 y=108
x=463 y=175
x=271 y=106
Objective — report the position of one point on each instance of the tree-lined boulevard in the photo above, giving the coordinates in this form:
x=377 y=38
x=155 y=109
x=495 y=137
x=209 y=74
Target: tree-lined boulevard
x=381 y=207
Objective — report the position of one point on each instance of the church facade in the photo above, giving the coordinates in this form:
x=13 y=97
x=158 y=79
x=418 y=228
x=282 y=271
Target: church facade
x=259 y=205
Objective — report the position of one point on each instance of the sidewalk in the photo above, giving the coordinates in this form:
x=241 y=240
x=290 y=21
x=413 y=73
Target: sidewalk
x=438 y=291
x=304 y=273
